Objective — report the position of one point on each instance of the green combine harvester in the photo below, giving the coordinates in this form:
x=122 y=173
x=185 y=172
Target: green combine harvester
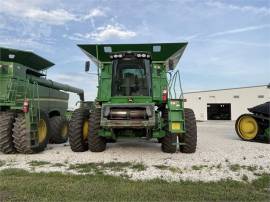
x=255 y=126
x=32 y=108
x=137 y=97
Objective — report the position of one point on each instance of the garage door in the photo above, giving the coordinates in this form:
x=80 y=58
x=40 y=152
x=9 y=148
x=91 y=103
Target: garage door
x=218 y=111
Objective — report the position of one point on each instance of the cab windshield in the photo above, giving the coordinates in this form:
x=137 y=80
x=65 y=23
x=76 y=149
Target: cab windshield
x=131 y=77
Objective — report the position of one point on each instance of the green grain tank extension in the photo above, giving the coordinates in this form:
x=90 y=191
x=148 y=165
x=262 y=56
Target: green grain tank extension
x=137 y=96
x=32 y=108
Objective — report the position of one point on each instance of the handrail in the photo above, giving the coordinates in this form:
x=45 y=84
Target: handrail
x=174 y=78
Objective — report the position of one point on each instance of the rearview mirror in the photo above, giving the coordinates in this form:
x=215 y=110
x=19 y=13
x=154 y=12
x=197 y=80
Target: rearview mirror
x=87 y=66
x=171 y=64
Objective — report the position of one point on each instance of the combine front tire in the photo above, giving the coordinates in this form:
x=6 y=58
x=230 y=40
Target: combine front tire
x=190 y=137
x=6 y=140
x=169 y=143
x=22 y=136
x=78 y=130
x=96 y=143
x=59 y=130
x=247 y=127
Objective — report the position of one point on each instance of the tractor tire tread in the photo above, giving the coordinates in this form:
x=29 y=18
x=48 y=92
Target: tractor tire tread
x=57 y=122
x=6 y=125
x=168 y=144
x=75 y=130
x=96 y=143
x=190 y=136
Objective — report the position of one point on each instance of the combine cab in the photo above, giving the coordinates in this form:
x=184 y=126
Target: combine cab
x=138 y=95
x=32 y=108
x=255 y=126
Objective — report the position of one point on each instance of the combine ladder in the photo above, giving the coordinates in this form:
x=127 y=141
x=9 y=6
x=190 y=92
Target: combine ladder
x=175 y=103
x=32 y=93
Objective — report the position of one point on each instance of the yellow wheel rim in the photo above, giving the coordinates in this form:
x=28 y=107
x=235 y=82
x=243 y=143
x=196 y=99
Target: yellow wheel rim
x=42 y=130
x=247 y=127
x=64 y=130
x=85 y=129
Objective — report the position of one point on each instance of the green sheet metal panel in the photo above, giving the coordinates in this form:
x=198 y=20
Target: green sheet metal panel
x=26 y=58
x=160 y=51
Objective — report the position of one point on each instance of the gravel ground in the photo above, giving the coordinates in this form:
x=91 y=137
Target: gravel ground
x=220 y=155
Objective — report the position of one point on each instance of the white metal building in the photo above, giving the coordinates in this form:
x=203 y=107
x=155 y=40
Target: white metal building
x=226 y=104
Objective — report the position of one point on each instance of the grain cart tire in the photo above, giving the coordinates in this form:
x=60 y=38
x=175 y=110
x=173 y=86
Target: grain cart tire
x=169 y=143
x=189 y=138
x=6 y=140
x=59 y=130
x=247 y=127
x=78 y=130
x=21 y=136
x=96 y=143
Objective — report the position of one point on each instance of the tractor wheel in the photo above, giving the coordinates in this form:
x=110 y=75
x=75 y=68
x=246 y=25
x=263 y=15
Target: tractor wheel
x=59 y=130
x=190 y=137
x=247 y=127
x=96 y=143
x=168 y=143
x=78 y=130
x=22 y=136
x=6 y=140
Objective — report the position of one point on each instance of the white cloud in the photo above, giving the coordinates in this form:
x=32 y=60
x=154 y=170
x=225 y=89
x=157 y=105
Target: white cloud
x=26 y=10
x=94 y=13
x=35 y=12
x=247 y=9
x=53 y=17
x=104 y=33
x=24 y=43
x=112 y=31
x=240 y=30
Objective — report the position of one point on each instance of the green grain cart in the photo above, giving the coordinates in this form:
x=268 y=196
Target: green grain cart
x=32 y=108
x=137 y=95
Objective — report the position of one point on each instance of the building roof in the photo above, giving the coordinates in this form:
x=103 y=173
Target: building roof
x=202 y=91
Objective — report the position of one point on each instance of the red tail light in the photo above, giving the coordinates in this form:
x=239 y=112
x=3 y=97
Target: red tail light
x=25 y=105
x=164 y=96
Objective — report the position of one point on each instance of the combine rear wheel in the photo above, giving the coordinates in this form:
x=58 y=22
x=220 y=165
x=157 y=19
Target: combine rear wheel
x=22 y=136
x=78 y=130
x=59 y=130
x=6 y=140
x=247 y=127
x=96 y=143
x=190 y=137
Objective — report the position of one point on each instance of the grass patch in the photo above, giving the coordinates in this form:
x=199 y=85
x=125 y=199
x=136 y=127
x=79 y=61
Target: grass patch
x=2 y=163
x=250 y=168
x=67 y=187
x=58 y=165
x=38 y=163
x=86 y=168
x=138 y=167
x=100 y=168
x=245 y=177
x=170 y=168
x=235 y=167
x=199 y=167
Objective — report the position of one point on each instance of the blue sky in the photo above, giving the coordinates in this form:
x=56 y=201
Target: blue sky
x=229 y=40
